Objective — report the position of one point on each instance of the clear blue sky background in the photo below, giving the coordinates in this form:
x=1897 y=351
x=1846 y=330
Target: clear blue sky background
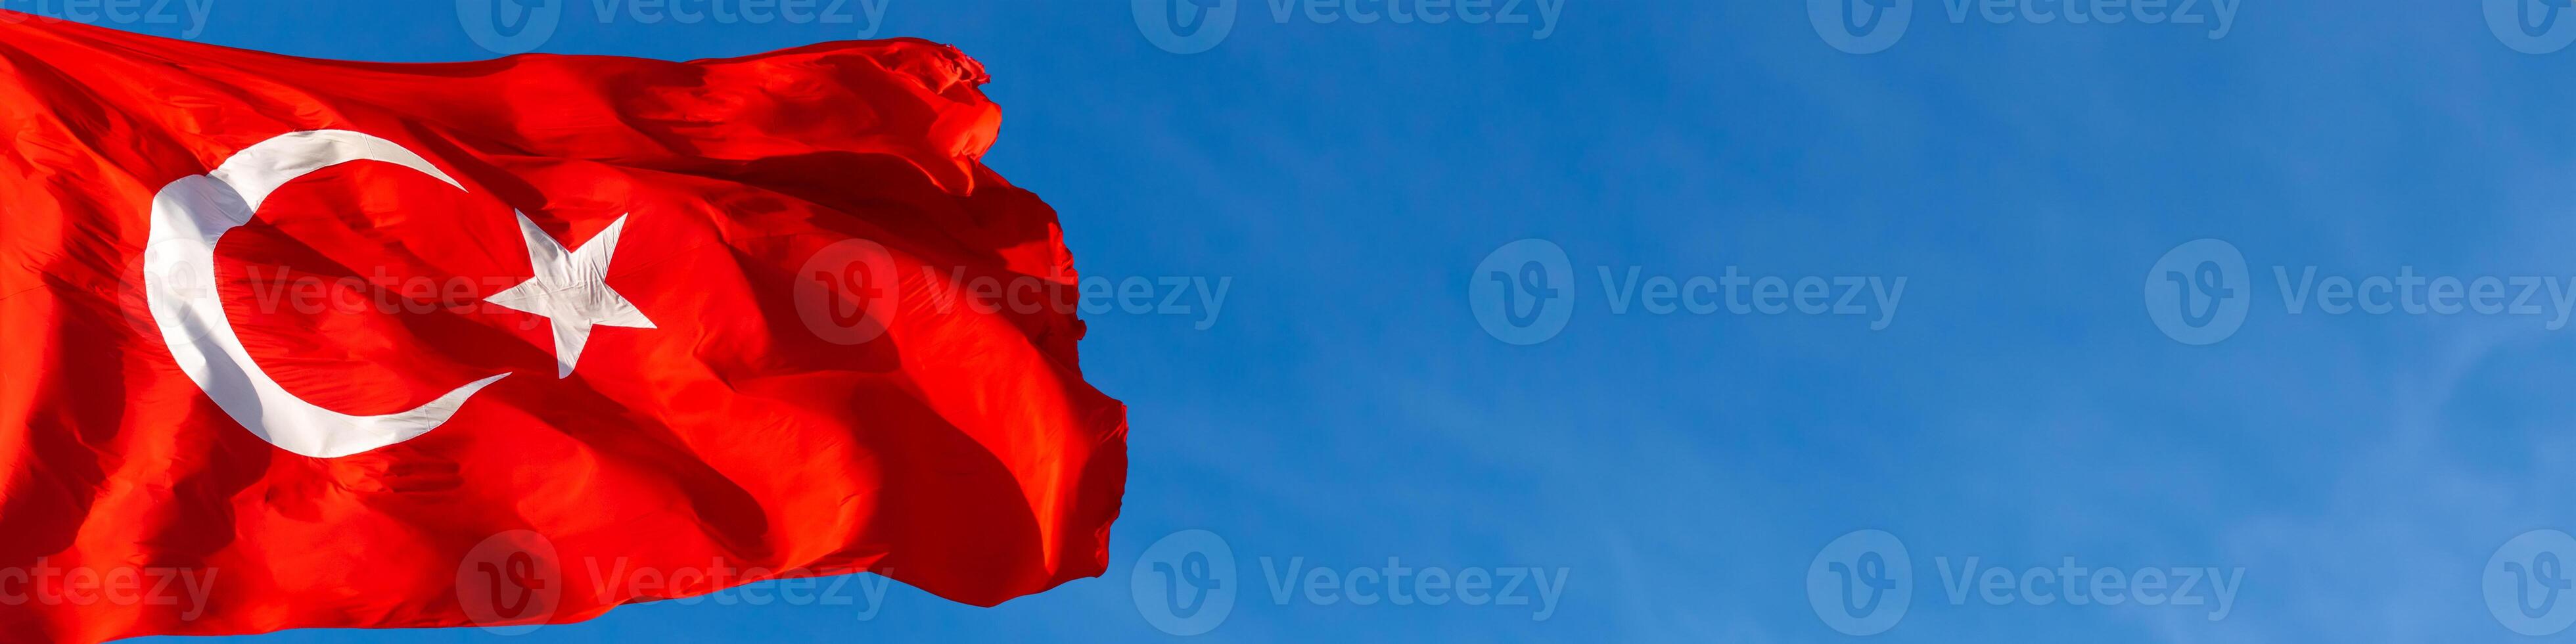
x=1346 y=406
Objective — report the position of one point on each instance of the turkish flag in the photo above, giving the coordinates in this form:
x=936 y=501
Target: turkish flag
x=303 y=343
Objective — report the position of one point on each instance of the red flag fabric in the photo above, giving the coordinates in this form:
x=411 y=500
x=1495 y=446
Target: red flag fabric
x=302 y=343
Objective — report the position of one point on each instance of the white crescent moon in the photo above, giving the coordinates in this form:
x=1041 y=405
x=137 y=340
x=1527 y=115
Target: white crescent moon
x=188 y=217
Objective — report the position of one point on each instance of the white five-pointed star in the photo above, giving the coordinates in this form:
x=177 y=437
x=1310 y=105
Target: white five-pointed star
x=571 y=290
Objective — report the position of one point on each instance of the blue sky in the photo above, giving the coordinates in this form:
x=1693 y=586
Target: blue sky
x=1681 y=473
